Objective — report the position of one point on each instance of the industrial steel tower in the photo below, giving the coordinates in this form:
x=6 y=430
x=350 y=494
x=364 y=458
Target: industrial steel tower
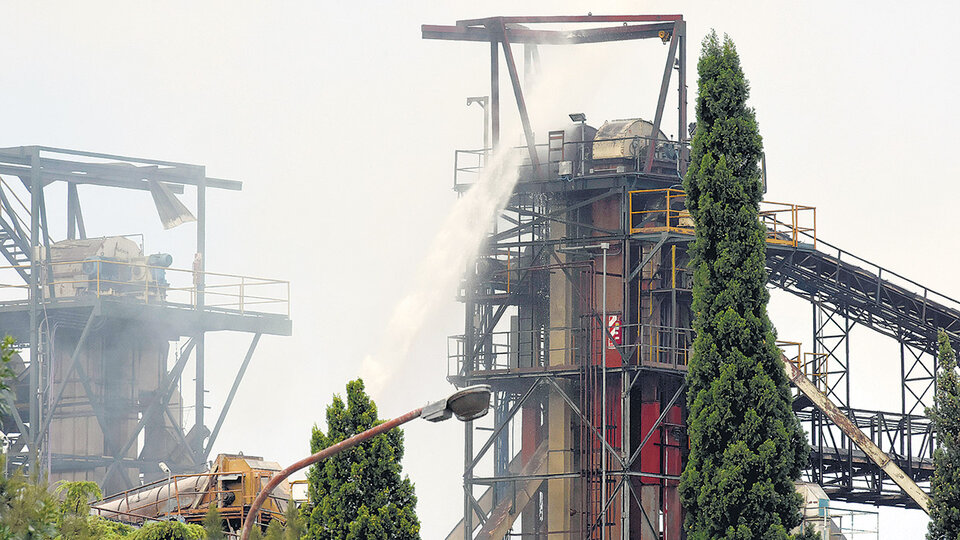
x=106 y=331
x=578 y=314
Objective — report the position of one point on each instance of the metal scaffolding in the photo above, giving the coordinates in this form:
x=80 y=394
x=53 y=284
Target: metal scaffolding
x=95 y=398
x=578 y=314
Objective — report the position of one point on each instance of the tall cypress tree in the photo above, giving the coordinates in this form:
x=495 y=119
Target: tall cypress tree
x=746 y=445
x=359 y=493
x=945 y=415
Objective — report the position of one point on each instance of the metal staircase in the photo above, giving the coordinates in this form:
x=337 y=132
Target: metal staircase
x=14 y=235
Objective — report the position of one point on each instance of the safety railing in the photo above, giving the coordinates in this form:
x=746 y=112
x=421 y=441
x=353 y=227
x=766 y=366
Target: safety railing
x=654 y=345
x=889 y=279
x=786 y=223
x=468 y=164
x=831 y=521
x=150 y=284
x=665 y=210
x=814 y=365
x=659 y=210
x=504 y=350
x=663 y=346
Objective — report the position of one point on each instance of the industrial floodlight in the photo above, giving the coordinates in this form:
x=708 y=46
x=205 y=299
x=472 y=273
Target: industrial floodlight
x=578 y=117
x=467 y=404
x=164 y=468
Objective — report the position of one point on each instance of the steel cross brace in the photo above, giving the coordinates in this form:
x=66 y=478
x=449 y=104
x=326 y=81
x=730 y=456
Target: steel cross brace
x=74 y=363
x=550 y=217
x=675 y=38
x=230 y=396
x=180 y=438
x=474 y=503
x=586 y=421
x=517 y=230
x=518 y=94
x=165 y=391
x=625 y=482
x=646 y=518
x=646 y=260
x=663 y=415
x=509 y=416
x=606 y=504
x=501 y=309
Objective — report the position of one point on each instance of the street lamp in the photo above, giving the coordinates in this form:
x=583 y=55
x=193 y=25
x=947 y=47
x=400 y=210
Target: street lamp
x=467 y=404
x=166 y=470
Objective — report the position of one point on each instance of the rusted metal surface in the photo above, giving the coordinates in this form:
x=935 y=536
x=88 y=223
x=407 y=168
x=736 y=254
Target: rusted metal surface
x=859 y=438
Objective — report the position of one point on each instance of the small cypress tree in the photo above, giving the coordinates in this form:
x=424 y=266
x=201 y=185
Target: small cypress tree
x=213 y=523
x=746 y=445
x=945 y=415
x=359 y=493
x=274 y=531
x=294 y=527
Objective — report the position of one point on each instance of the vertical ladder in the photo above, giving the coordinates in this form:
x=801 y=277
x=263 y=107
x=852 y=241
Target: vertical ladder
x=555 y=147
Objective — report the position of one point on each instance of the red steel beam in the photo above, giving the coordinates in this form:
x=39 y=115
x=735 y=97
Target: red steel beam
x=553 y=19
x=547 y=37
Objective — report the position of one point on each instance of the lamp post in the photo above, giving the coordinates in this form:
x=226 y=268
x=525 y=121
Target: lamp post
x=467 y=404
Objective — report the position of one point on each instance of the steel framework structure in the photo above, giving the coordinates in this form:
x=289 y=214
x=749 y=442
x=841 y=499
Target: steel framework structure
x=577 y=312
x=104 y=355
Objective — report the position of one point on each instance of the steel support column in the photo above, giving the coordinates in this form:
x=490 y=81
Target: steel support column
x=34 y=417
x=918 y=373
x=199 y=279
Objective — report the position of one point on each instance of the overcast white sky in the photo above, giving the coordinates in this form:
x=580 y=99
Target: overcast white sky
x=342 y=122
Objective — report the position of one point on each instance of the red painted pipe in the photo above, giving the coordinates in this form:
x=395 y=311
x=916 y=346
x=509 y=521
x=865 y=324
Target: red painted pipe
x=319 y=456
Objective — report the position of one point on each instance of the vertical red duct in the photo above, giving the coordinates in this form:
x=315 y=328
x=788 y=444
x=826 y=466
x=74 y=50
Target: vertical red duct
x=673 y=514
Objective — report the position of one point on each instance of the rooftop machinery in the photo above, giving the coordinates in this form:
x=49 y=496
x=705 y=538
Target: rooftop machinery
x=578 y=313
x=106 y=330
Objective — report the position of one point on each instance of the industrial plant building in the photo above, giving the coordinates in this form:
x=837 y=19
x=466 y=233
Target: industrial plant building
x=578 y=314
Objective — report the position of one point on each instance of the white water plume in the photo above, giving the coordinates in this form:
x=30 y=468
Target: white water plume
x=458 y=242
x=455 y=247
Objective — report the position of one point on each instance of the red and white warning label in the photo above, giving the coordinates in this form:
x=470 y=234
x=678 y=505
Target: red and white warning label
x=613 y=326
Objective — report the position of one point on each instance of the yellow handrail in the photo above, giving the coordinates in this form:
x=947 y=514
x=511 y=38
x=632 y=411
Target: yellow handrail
x=785 y=223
